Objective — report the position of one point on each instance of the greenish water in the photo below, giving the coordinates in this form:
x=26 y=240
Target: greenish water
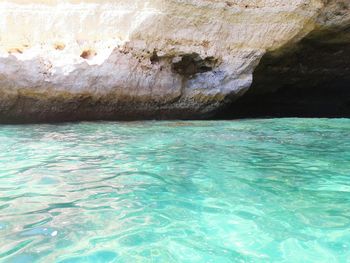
x=228 y=191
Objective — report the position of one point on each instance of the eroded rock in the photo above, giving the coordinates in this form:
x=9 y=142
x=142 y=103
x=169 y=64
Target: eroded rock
x=87 y=60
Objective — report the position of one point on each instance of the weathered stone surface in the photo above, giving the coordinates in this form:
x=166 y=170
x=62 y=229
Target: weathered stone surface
x=309 y=78
x=87 y=60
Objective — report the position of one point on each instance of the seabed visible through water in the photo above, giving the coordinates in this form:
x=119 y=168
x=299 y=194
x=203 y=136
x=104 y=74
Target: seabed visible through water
x=272 y=190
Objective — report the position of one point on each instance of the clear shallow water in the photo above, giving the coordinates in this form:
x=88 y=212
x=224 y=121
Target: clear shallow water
x=235 y=191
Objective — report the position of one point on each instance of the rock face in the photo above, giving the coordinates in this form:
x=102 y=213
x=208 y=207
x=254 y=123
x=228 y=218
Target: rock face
x=310 y=78
x=141 y=59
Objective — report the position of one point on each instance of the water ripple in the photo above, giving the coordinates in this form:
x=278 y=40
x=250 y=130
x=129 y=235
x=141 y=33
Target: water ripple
x=243 y=191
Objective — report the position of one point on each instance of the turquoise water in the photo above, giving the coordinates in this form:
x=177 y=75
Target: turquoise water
x=227 y=191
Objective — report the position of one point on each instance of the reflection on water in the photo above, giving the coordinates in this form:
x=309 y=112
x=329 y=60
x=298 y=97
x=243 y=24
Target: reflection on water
x=235 y=191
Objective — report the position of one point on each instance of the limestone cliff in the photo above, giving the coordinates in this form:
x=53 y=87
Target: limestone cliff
x=104 y=59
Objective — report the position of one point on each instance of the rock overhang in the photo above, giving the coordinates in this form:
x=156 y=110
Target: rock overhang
x=53 y=53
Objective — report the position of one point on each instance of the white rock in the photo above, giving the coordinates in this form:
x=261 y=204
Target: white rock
x=57 y=55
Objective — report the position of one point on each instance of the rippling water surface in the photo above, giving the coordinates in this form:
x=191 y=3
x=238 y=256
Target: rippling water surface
x=230 y=191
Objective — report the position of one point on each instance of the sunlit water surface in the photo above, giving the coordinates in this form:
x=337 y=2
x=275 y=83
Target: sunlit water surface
x=229 y=191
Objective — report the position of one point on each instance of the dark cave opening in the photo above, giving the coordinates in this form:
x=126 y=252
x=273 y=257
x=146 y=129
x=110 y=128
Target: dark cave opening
x=312 y=79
